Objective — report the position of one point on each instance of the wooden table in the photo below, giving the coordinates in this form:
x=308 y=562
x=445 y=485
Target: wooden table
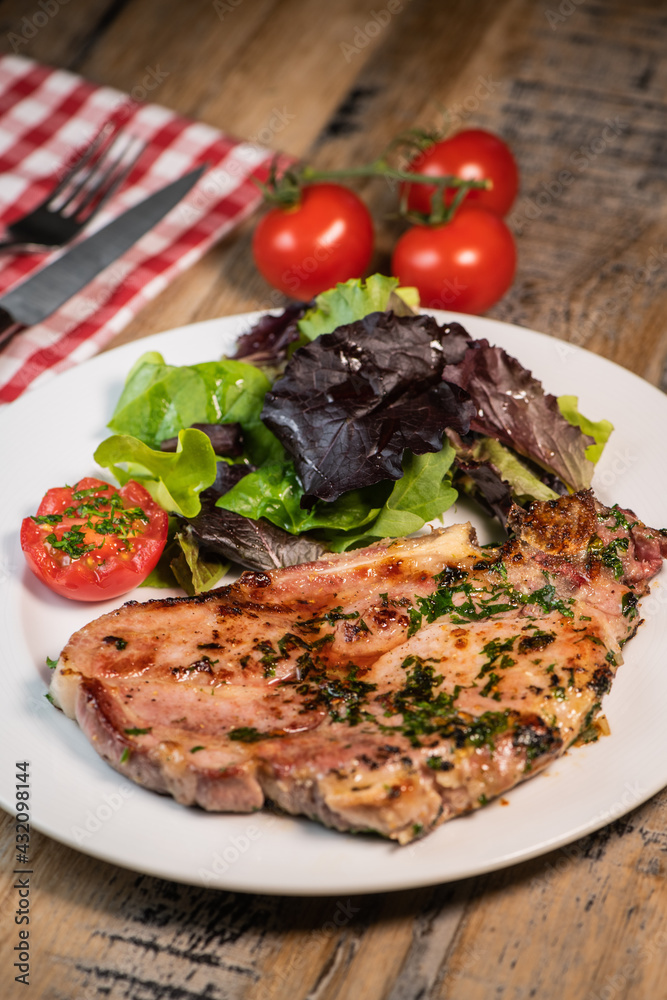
x=573 y=85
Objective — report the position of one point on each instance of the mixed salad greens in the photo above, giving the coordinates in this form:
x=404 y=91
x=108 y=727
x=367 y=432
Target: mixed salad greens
x=337 y=423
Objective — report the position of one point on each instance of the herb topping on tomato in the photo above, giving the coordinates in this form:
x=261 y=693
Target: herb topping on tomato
x=92 y=541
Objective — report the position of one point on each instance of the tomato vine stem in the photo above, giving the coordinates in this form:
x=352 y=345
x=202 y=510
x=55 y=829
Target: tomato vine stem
x=285 y=188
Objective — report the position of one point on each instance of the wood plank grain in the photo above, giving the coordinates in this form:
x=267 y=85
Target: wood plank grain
x=51 y=33
x=588 y=921
x=241 y=69
x=247 y=79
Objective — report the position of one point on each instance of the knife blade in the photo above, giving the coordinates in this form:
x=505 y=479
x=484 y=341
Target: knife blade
x=47 y=290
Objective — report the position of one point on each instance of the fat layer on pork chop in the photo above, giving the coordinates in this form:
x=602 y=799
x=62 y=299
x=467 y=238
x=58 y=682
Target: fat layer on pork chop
x=387 y=689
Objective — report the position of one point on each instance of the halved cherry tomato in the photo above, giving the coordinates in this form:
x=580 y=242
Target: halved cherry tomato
x=474 y=155
x=93 y=541
x=306 y=248
x=465 y=265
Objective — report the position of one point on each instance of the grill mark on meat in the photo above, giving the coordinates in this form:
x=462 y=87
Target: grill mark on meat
x=530 y=643
x=389 y=689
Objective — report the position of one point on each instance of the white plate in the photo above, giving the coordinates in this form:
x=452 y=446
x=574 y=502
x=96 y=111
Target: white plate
x=48 y=438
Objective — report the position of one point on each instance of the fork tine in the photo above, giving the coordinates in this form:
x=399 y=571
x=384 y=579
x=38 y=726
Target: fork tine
x=83 y=190
x=99 y=193
x=87 y=176
x=101 y=137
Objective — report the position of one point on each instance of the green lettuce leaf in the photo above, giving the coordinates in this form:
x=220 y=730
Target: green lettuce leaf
x=599 y=430
x=174 y=480
x=525 y=485
x=423 y=493
x=385 y=510
x=352 y=300
x=274 y=492
x=195 y=572
x=183 y=565
x=163 y=575
x=159 y=400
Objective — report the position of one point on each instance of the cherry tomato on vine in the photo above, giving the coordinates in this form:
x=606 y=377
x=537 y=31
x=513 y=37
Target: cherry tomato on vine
x=92 y=541
x=306 y=248
x=473 y=155
x=465 y=265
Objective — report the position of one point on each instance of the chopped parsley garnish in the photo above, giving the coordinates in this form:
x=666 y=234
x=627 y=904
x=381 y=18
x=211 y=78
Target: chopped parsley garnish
x=629 y=603
x=609 y=554
x=589 y=731
x=547 y=600
x=72 y=542
x=287 y=644
x=342 y=693
x=415 y=622
x=489 y=689
x=438 y=764
x=138 y=732
x=426 y=712
x=331 y=617
x=248 y=734
x=619 y=518
x=115 y=640
x=464 y=602
x=100 y=515
x=80 y=494
x=268 y=658
x=497 y=656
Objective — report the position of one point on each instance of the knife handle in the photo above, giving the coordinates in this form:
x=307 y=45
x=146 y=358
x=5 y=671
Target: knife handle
x=8 y=327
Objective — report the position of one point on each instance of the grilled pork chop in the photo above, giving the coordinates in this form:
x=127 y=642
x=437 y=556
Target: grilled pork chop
x=388 y=689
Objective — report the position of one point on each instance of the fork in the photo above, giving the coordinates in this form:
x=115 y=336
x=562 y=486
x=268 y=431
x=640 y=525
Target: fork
x=89 y=183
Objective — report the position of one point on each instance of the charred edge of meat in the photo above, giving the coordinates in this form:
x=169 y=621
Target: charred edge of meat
x=632 y=631
x=255 y=579
x=536 y=738
x=600 y=682
x=560 y=526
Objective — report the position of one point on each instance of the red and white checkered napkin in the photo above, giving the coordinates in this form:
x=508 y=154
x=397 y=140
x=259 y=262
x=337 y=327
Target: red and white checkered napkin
x=47 y=118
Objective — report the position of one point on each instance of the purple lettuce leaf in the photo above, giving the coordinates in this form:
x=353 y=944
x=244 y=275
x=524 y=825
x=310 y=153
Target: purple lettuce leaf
x=513 y=408
x=268 y=340
x=254 y=544
x=226 y=439
x=483 y=482
x=351 y=402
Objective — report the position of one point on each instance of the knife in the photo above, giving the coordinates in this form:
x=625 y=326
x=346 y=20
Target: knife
x=48 y=289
